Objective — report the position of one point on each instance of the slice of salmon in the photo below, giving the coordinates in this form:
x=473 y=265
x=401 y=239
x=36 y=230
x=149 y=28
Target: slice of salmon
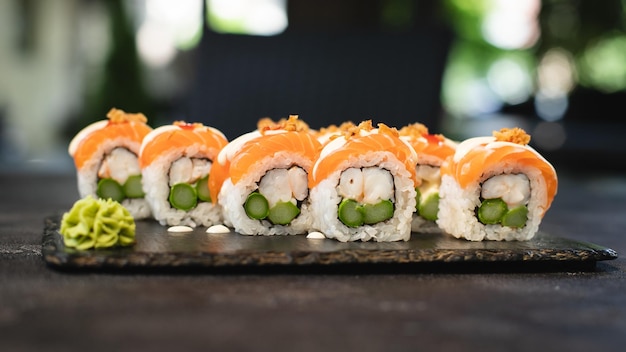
x=242 y=153
x=469 y=166
x=378 y=140
x=427 y=145
x=270 y=145
x=209 y=141
x=120 y=125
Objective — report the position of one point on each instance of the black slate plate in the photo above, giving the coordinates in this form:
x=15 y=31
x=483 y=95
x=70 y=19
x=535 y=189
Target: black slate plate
x=157 y=249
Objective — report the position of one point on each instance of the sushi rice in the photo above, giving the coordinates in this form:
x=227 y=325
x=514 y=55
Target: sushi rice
x=504 y=168
x=457 y=206
x=365 y=147
x=325 y=200
x=157 y=189
x=160 y=151
x=232 y=197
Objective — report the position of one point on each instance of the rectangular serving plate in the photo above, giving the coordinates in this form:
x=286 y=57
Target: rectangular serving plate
x=157 y=249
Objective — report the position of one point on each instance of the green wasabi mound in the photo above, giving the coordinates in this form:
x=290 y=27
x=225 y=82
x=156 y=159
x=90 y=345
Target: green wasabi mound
x=97 y=223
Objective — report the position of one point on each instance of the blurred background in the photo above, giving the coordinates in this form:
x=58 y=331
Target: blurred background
x=556 y=68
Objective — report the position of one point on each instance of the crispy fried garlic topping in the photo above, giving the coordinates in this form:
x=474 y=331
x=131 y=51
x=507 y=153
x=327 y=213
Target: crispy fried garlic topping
x=418 y=130
x=119 y=116
x=292 y=124
x=384 y=129
x=513 y=135
x=415 y=130
x=345 y=126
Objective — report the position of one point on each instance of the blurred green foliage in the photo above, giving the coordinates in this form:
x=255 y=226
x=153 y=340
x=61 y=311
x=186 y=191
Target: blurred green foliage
x=121 y=80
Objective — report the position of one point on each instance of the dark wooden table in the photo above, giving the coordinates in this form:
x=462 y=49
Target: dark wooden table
x=42 y=308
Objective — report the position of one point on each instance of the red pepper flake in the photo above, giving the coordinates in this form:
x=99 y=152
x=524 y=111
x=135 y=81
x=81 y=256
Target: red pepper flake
x=187 y=126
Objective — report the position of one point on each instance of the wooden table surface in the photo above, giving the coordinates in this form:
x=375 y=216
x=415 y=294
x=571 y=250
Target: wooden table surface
x=42 y=308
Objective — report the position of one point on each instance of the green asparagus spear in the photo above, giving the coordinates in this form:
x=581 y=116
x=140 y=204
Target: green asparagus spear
x=109 y=188
x=202 y=188
x=516 y=217
x=183 y=196
x=429 y=207
x=256 y=206
x=133 y=187
x=282 y=213
x=375 y=213
x=349 y=213
x=491 y=211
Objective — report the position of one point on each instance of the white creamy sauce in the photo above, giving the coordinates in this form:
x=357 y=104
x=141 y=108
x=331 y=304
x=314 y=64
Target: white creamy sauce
x=464 y=147
x=218 y=229
x=315 y=235
x=154 y=133
x=179 y=228
x=450 y=143
x=337 y=143
x=489 y=143
x=229 y=151
x=414 y=155
x=495 y=145
x=332 y=146
x=216 y=131
x=328 y=148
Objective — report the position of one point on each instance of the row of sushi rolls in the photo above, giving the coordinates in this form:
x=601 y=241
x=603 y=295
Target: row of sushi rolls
x=348 y=182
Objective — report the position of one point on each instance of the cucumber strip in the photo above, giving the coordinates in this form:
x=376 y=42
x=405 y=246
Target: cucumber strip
x=491 y=211
x=516 y=217
x=183 y=196
x=429 y=207
x=109 y=188
x=349 y=213
x=256 y=206
x=282 y=213
x=375 y=213
x=133 y=188
x=202 y=188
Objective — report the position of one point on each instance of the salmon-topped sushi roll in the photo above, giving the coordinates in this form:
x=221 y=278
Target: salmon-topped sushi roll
x=432 y=150
x=175 y=162
x=495 y=188
x=221 y=166
x=363 y=186
x=105 y=154
x=264 y=179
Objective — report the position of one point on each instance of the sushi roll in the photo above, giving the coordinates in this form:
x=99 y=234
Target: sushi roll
x=495 y=188
x=363 y=186
x=264 y=179
x=105 y=154
x=175 y=162
x=432 y=150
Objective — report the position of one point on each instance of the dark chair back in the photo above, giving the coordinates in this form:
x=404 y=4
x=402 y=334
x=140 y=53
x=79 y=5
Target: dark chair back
x=325 y=78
